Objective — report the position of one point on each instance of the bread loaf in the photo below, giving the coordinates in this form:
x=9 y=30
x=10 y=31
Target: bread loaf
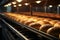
x=45 y=27
x=55 y=31
x=35 y=25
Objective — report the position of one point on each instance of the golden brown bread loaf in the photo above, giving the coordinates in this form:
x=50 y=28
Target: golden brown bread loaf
x=53 y=22
x=55 y=31
x=23 y=20
x=35 y=25
x=47 y=20
x=31 y=20
x=43 y=22
x=57 y=24
x=45 y=27
x=28 y=22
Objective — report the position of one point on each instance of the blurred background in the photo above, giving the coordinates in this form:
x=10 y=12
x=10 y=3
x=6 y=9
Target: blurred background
x=48 y=6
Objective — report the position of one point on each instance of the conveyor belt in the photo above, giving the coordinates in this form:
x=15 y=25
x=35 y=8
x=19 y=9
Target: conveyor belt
x=26 y=31
x=30 y=35
x=7 y=29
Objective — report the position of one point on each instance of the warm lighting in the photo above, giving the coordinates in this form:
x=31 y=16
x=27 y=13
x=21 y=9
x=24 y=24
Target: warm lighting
x=14 y=5
x=50 y=6
x=59 y=5
x=26 y=4
x=38 y=2
x=19 y=4
x=13 y=2
x=9 y=4
x=5 y=5
x=19 y=0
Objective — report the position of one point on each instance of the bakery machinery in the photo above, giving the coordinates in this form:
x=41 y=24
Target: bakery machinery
x=27 y=27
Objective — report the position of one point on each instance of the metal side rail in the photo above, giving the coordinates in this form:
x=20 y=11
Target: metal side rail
x=4 y=34
x=40 y=33
x=22 y=37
